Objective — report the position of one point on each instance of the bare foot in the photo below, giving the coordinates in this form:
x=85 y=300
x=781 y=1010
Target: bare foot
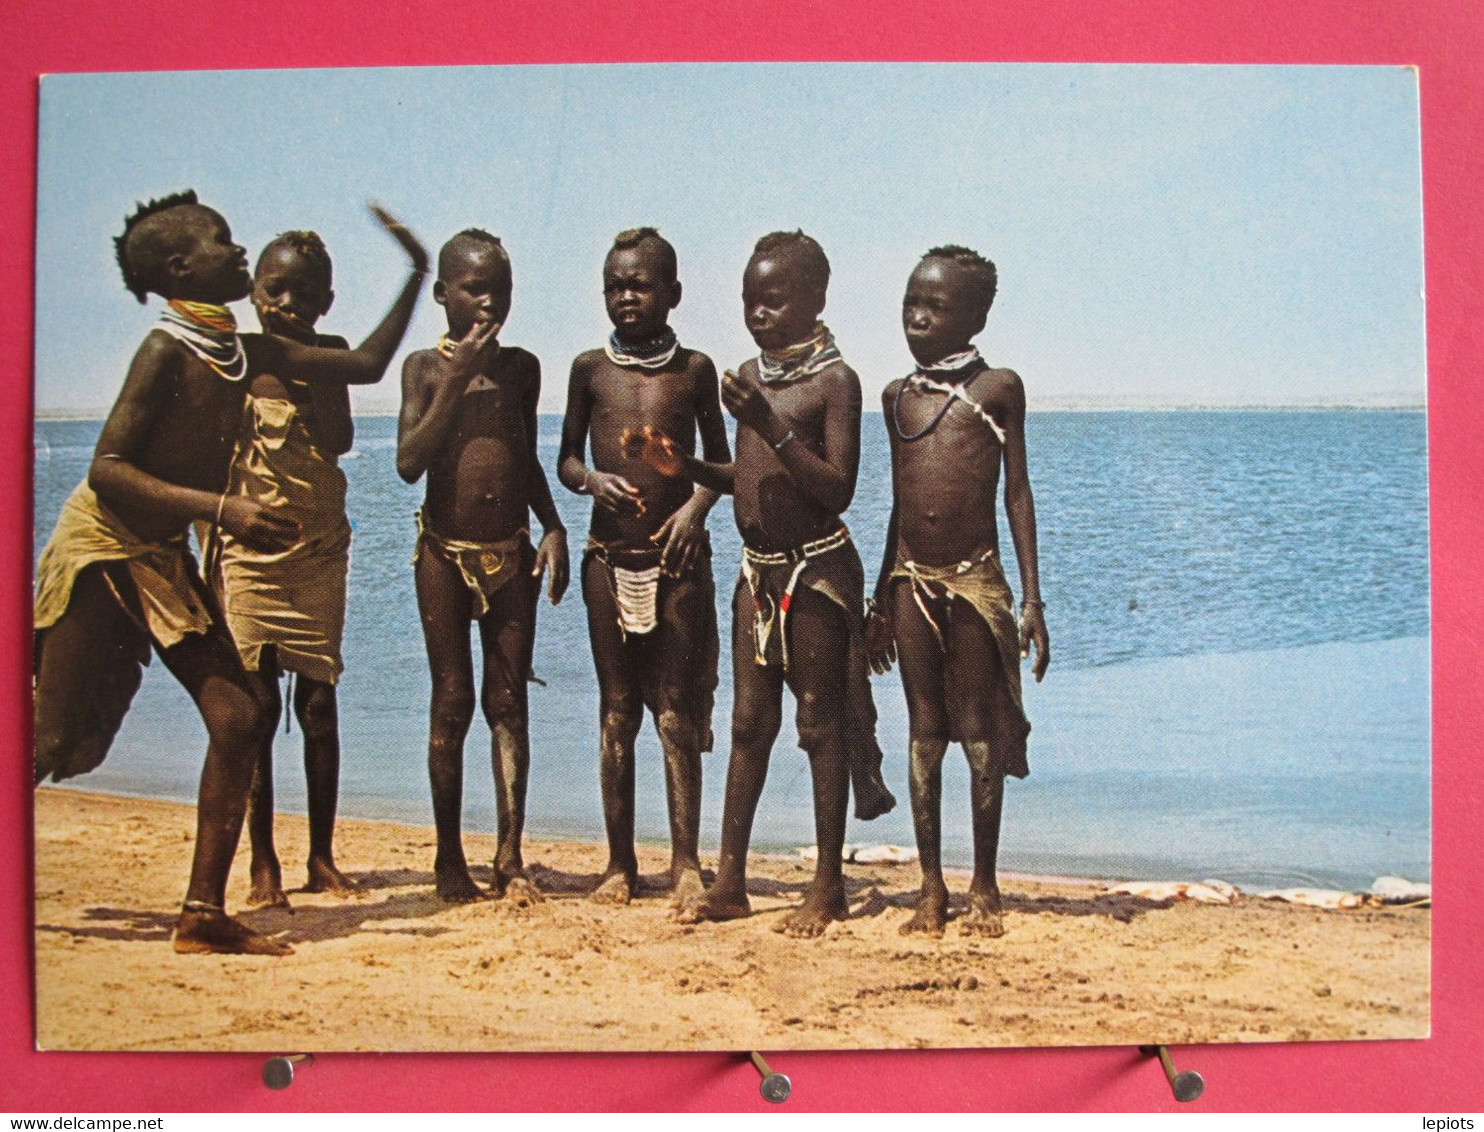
x=214 y=932
x=812 y=917
x=614 y=887
x=686 y=887
x=931 y=914
x=984 y=917
x=325 y=877
x=517 y=889
x=456 y=886
x=715 y=904
x=267 y=886
x=872 y=798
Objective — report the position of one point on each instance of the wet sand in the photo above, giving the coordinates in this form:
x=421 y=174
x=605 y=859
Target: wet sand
x=398 y=970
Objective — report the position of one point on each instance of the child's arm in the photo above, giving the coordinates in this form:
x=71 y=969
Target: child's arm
x=682 y=534
x=330 y=424
x=829 y=480
x=609 y=490
x=431 y=388
x=1020 y=510
x=551 y=552
x=366 y=364
x=880 y=645
x=332 y=428
x=117 y=478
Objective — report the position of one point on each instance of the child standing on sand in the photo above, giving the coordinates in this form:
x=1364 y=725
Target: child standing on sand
x=286 y=608
x=798 y=610
x=942 y=603
x=468 y=421
x=646 y=574
x=117 y=575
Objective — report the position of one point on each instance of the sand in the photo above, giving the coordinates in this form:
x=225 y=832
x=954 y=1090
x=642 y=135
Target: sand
x=398 y=970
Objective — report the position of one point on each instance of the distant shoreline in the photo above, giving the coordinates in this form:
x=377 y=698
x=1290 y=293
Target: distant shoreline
x=95 y=414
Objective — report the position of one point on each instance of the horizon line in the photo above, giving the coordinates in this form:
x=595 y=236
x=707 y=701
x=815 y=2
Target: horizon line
x=1078 y=405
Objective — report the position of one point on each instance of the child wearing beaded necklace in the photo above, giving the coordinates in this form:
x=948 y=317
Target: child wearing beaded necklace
x=117 y=578
x=941 y=598
x=468 y=423
x=646 y=574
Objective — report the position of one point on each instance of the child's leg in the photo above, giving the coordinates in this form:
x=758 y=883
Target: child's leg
x=819 y=647
x=922 y=667
x=266 y=876
x=757 y=715
x=677 y=651
x=508 y=634
x=985 y=715
x=318 y=714
x=443 y=600
x=621 y=712
x=237 y=720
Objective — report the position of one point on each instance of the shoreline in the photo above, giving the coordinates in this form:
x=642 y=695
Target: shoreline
x=396 y=969
x=594 y=838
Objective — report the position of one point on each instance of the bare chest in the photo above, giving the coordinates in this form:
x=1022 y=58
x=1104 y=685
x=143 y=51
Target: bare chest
x=623 y=396
x=491 y=411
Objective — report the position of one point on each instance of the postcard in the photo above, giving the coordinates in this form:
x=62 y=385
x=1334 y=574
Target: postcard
x=723 y=557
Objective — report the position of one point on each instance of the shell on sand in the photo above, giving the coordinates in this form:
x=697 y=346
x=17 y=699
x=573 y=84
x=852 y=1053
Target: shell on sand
x=1204 y=892
x=865 y=854
x=1398 y=890
x=1315 y=897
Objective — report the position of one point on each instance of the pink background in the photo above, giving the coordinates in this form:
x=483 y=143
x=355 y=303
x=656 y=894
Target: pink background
x=1442 y=37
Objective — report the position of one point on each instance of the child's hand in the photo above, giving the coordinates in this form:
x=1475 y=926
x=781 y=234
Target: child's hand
x=410 y=244
x=881 y=645
x=551 y=553
x=1033 y=631
x=257 y=527
x=614 y=493
x=472 y=353
x=681 y=537
x=746 y=401
x=652 y=446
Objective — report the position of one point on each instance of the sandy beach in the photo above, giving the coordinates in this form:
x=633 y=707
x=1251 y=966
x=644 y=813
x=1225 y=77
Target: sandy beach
x=398 y=970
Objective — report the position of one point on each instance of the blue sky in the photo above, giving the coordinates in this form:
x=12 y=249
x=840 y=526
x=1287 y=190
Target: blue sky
x=1164 y=234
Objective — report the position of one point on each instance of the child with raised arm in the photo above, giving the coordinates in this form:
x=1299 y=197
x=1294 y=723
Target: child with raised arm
x=117 y=575
x=646 y=573
x=286 y=608
x=469 y=422
x=942 y=604
x=798 y=614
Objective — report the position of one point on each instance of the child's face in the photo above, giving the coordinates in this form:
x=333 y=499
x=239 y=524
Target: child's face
x=290 y=293
x=779 y=301
x=638 y=296
x=475 y=289
x=940 y=312
x=209 y=268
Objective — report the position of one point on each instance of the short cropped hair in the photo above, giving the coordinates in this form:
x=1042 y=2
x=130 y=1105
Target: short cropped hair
x=633 y=237
x=469 y=238
x=810 y=255
x=984 y=279
x=307 y=246
x=143 y=249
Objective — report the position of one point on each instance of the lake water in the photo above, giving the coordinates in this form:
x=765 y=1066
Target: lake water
x=1238 y=608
